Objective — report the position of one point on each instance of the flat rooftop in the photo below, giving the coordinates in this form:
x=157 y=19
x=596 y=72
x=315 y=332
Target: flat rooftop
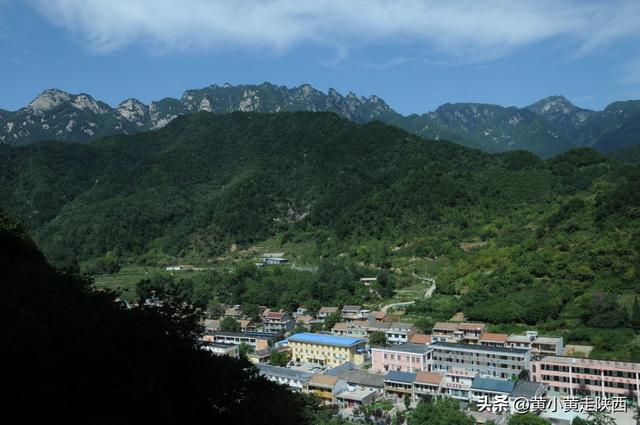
x=484 y=348
x=590 y=363
x=322 y=339
x=356 y=395
x=404 y=377
x=283 y=372
x=407 y=347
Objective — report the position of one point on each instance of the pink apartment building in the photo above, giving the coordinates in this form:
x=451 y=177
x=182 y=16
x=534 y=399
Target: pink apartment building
x=578 y=376
x=402 y=358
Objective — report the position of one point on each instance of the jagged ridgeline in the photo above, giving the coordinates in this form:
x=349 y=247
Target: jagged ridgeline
x=548 y=127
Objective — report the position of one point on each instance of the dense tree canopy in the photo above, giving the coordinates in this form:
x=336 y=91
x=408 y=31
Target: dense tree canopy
x=76 y=355
x=444 y=411
x=552 y=244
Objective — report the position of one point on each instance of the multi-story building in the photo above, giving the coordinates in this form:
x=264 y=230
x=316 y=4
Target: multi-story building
x=471 y=332
x=445 y=332
x=490 y=388
x=457 y=332
x=326 y=387
x=399 y=333
x=349 y=329
x=493 y=339
x=277 y=322
x=578 y=376
x=499 y=362
x=403 y=358
x=355 y=398
x=457 y=383
x=329 y=350
x=398 y=384
x=540 y=345
x=296 y=380
x=257 y=340
x=359 y=328
x=325 y=312
x=221 y=349
x=354 y=312
x=427 y=384
x=247 y=325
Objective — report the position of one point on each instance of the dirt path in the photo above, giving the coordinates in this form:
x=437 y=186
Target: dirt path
x=427 y=294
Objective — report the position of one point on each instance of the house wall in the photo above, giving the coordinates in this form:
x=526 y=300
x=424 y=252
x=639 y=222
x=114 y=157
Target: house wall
x=327 y=354
x=619 y=378
x=496 y=364
x=384 y=360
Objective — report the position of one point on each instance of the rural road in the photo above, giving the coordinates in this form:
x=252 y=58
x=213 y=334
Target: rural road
x=427 y=294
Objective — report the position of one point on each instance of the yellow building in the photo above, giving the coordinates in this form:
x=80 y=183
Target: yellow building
x=329 y=350
x=325 y=387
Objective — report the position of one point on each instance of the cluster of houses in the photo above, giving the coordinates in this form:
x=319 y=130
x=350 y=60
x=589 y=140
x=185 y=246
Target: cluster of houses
x=458 y=359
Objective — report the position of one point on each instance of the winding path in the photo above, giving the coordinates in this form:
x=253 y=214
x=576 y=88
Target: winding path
x=427 y=294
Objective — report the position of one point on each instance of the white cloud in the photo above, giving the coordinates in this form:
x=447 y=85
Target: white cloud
x=392 y=63
x=464 y=29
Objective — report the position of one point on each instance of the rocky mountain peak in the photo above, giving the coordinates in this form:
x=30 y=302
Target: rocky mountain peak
x=47 y=100
x=553 y=105
x=132 y=110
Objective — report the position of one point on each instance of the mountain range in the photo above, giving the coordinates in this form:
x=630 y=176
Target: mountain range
x=556 y=241
x=548 y=127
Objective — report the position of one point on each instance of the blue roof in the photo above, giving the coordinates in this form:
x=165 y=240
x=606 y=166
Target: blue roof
x=339 y=369
x=340 y=341
x=495 y=385
x=407 y=377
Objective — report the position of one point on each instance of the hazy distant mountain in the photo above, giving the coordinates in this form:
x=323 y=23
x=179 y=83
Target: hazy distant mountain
x=548 y=127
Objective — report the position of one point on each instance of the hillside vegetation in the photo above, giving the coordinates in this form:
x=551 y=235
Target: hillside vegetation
x=554 y=243
x=87 y=359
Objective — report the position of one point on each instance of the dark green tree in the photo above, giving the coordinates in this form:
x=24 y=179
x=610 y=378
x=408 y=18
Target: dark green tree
x=377 y=339
x=244 y=349
x=108 y=364
x=407 y=401
x=440 y=412
x=229 y=324
x=527 y=419
x=331 y=320
x=635 y=315
x=279 y=358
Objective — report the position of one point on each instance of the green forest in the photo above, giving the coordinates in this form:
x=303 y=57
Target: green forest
x=511 y=239
x=87 y=359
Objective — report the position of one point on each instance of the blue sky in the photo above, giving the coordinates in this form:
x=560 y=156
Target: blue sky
x=414 y=54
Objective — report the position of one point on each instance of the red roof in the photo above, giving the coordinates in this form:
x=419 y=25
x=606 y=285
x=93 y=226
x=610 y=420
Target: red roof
x=493 y=337
x=420 y=339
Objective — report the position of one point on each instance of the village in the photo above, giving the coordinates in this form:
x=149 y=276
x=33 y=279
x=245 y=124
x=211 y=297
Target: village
x=368 y=365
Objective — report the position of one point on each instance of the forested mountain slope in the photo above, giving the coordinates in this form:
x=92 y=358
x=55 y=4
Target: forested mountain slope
x=557 y=240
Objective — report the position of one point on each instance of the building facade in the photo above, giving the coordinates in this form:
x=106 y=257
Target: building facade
x=498 y=362
x=579 y=376
x=294 y=379
x=407 y=357
x=327 y=350
x=399 y=333
x=277 y=322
